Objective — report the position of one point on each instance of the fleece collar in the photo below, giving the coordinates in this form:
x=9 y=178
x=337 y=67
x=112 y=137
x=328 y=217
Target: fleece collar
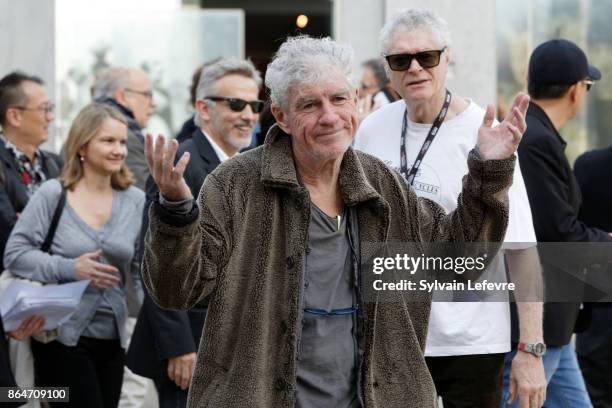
x=278 y=170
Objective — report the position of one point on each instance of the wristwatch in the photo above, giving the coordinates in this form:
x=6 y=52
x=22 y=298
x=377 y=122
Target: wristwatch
x=537 y=349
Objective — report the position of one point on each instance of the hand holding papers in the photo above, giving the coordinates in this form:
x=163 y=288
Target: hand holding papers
x=55 y=303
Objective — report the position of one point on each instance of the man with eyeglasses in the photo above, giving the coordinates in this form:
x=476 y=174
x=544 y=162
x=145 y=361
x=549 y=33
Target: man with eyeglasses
x=559 y=77
x=25 y=116
x=129 y=90
x=227 y=110
x=427 y=137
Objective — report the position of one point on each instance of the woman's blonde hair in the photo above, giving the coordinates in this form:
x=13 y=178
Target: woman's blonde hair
x=83 y=129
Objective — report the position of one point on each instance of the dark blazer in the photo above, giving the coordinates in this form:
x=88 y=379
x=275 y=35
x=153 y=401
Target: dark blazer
x=13 y=191
x=555 y=199
x=593 y=172
x=188 y=129
x=13 y=199
x=160 y=334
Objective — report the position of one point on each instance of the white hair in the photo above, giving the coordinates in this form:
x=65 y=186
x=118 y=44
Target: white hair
x=303 y=59
x=212 y=73
x=414 y=19
x=110 y=81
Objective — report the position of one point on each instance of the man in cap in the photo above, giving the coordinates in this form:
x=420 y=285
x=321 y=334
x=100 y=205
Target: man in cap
x=558 y=82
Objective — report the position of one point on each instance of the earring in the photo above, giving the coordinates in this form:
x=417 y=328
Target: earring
x=82 y=158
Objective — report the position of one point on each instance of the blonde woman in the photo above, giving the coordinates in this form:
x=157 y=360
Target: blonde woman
x=96 y=240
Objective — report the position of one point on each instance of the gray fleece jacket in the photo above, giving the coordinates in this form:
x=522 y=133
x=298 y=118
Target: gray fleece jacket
x=248 y=244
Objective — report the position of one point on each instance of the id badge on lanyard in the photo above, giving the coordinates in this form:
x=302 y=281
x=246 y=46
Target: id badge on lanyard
x=409 y=175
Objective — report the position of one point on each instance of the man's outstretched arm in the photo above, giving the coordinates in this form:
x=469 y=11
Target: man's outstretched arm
x=185 y=245
x=527 y=378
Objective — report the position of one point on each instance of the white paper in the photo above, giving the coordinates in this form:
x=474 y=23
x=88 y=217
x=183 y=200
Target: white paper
x=56 y=303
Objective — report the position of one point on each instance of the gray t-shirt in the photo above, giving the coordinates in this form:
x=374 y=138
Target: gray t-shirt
x=326 y=374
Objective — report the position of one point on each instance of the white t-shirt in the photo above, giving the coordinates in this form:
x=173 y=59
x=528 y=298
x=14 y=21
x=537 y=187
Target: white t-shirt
x=455 y=328
x=380 y=99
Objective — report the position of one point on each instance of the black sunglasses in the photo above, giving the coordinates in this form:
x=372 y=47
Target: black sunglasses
x=238 y=105
x=426 y=59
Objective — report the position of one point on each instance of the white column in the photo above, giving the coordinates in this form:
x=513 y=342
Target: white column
x=357 y=22
x=27 y=40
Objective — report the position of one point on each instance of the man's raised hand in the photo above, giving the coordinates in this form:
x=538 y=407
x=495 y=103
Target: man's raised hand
x=500 y=142
x=167 y=176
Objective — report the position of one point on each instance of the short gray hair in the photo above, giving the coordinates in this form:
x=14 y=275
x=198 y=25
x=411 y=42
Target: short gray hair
x=302 y=60
x=207 y=85
x=414 y=19
x=110 y=81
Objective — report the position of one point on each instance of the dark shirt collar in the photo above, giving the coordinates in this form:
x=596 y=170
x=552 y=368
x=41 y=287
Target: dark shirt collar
x=278 y=169
x=537 y=112
x=127 y=112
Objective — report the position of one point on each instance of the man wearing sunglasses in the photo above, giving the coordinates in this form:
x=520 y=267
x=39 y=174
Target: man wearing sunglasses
x=427 y=137
x=559 y=77
x=227 y=111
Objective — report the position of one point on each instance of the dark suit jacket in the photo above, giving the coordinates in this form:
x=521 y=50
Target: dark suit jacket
x=159 y=333
x=13 y=191
x=188 y=129
x=555 y=201
x=593 y=171
x=13 y=199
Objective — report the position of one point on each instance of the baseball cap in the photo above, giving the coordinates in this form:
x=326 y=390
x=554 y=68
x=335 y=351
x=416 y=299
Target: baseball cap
x=559 y=62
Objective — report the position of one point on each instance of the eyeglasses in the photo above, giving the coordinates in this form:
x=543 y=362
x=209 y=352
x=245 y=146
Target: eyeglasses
x=146 y=94
x=589 y=83
x=333 y=312
x=238 y=105
x=426 y=59
x=48 y=109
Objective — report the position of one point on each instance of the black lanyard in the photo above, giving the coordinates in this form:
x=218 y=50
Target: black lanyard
x=409 y=175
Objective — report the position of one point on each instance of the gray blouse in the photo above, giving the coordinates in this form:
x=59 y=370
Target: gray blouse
x=118 y=240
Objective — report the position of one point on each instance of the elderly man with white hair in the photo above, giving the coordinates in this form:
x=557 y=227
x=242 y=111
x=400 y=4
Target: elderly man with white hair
x=427 y=136
x=277 y=233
